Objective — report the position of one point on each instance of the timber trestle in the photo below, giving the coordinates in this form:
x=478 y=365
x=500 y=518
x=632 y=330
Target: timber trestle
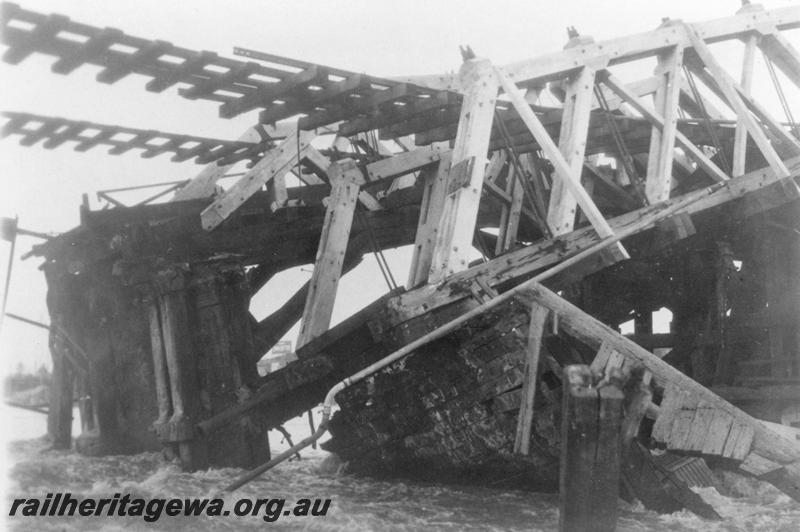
x=674 y=192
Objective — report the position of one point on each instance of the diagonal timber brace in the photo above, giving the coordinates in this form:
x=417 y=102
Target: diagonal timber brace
x=719 y=80
x=528 y=260
x=694 y=152
x=278 y=161
x=767 y=445
x=563 y=170
x=203 y=185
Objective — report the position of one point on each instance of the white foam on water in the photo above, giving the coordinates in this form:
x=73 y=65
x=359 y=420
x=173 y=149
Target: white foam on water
x=358 y=504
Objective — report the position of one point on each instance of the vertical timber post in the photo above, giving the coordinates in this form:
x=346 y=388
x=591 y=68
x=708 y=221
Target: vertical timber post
x=465 y=178
x=163 y=397
x=345 y=177
x=578 y=102
x=184 y=392
x=590 y=453
x=434 y=180
x=658 y=182
x=59 y=415
x=740 y=138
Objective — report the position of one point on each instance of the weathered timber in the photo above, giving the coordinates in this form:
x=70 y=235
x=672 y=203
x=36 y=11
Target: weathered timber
x=434 y=182
x=528 y=260
x=53 y=132
x=766 y=444
x=658 y=121
x=718 y=78
x=590 y=453
x=278 y=160
x=466 y=172
x=662 y=140
x=532 y=352
x=572 y=143
x=345 y=176
x=740 y=141
x=562 y=167
x=647 y=44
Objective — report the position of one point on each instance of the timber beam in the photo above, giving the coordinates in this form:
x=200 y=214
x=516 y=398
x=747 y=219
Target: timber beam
x=578 y=103
x=54 y=132
x=769 y=452
x=465 y=177
x=662 y=140
x=715 y=77
x=528 y=260
x=658 y=121
x=563 y=169
x=277 y=162
x=345 y=176
x=434 y=182
x=555 y=66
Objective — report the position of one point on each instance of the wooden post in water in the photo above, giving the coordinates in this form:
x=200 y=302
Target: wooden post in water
x=183 y=385
x=590 y=453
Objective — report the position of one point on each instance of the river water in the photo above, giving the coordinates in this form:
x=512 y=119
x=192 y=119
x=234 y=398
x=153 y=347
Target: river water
x=358 y=504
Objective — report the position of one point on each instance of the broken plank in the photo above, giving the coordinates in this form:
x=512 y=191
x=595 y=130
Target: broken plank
x=704 y=414
x=718 y=430
x=589 y=330
x=739 y=442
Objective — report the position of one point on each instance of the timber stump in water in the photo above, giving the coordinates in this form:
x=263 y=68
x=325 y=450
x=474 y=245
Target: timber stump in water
x=590 y=453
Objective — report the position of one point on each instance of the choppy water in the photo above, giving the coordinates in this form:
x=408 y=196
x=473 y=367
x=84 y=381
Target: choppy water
x=358 y=504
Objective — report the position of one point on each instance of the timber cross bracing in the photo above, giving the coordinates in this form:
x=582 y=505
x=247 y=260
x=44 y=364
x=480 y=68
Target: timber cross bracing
x=682 y=128
x=526 y=181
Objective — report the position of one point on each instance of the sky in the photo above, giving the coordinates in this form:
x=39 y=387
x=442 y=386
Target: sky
x=44 y=187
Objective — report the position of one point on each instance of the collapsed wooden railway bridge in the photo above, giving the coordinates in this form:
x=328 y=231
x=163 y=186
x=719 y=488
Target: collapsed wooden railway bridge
x=691 y=183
